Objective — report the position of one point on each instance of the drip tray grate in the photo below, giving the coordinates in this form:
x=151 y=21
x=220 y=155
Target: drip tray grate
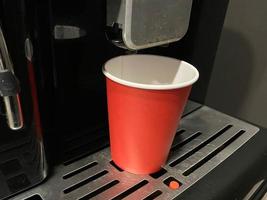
x=205 y=139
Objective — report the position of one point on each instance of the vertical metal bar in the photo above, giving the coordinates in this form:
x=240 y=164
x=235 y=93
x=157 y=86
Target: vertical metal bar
x=12 y=103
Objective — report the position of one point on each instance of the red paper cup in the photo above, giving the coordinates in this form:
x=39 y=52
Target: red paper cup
x=146 y=97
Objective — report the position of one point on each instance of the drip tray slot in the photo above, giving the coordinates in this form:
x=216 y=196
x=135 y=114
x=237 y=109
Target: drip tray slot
x=205 y=138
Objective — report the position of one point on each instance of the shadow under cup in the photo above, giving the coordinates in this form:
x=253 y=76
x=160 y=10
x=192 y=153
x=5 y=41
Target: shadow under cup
x=146 y=97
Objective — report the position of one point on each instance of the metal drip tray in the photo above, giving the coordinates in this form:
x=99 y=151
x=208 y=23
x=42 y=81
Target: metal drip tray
x=205 y=139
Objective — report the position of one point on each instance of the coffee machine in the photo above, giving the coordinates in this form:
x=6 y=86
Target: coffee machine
x=53 y=131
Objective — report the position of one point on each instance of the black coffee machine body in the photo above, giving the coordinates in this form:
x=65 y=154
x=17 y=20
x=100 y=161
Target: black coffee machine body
x=22 y=154
x=58 y=49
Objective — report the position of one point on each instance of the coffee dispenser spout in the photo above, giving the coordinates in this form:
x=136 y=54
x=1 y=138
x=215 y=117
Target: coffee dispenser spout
x=135 y=24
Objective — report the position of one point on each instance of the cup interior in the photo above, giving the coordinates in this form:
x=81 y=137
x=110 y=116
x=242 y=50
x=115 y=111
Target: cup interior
x=150 y=72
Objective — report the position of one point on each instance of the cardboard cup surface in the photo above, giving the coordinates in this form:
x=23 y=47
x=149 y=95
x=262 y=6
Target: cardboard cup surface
x=146 y=98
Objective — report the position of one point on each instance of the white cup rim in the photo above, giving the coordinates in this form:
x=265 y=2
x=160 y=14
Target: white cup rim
x=187 y=68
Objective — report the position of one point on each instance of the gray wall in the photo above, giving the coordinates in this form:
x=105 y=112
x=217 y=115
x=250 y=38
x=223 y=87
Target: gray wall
x=239 y=81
